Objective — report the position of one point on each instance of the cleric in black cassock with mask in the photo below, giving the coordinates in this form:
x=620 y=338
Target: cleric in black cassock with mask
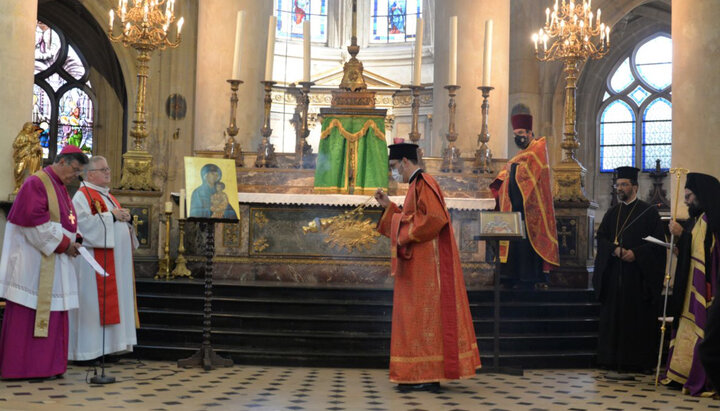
x=628 y=279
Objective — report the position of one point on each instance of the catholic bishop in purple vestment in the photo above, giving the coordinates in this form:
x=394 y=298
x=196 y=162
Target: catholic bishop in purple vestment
x=37 y=274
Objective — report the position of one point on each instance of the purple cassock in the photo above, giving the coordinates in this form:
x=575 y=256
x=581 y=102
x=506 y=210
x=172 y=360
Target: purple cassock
x=21 y=354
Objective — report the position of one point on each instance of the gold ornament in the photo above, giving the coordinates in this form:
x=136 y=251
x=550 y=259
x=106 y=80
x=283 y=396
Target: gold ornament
x=27 y=153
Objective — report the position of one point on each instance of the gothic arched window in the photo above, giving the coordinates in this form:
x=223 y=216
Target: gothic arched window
x=63 y=101
x=394 y=21
x=292 y=13
x=635 y=118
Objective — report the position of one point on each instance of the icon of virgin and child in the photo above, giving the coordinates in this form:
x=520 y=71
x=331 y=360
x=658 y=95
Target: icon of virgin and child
x=210 y=200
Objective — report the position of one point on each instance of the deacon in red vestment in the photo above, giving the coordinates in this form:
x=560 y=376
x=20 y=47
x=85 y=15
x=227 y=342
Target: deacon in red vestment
x=433 y=338
x=524 y=186
x=37 y=276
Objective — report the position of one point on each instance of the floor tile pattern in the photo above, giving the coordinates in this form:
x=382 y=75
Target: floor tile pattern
x=155 y=385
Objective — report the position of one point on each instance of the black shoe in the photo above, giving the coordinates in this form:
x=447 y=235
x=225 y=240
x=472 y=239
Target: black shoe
x=428 y=386
x=110 y=359
x=87 y=363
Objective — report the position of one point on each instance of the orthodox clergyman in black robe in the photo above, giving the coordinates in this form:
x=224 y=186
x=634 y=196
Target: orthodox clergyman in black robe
x=628 y=279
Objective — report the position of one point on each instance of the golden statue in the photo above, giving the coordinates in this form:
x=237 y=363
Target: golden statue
x=27 y=153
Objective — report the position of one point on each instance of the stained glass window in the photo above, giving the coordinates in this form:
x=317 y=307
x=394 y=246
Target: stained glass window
x=639 y=88
x=617 y=136
x=62 y=96
x=657 y=134
x=654 y=62
x=292 y=13
x=394 y=21
x=622 y=77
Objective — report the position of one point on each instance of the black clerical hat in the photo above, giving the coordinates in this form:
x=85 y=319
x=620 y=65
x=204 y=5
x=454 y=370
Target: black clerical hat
x=631 y=173
x=699 y=182
x=707 y=191
x=406 y=150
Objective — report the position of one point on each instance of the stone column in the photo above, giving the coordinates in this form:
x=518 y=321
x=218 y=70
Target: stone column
x=17 y=54
x=696 y=87
x=215 y=50
x=472 y=15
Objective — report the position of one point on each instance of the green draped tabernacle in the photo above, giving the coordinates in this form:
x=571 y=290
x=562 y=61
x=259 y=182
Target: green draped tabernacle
x=354 y=143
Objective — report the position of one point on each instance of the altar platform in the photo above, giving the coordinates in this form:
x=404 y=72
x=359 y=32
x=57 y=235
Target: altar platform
x=274 y=241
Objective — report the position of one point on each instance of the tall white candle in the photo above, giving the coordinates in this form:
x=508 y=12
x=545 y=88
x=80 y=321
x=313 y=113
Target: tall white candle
x=452 y=76
x=182 y=203
x=306 y=50
x=417 y=72
x=238 y=45
x=487 y=53
x=270 y=52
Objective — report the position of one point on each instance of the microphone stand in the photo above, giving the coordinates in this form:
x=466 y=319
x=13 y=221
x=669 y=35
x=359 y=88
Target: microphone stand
x=102 y=378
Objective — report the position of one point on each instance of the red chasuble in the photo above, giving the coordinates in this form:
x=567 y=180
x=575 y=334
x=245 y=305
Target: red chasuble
x=106 y=258
x=432 y=331
x=533 y=179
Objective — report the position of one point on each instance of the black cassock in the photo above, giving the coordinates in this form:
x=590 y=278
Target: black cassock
x=629 y=292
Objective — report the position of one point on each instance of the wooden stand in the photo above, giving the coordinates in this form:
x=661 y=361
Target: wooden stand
x=205 y=356
x=493 y=242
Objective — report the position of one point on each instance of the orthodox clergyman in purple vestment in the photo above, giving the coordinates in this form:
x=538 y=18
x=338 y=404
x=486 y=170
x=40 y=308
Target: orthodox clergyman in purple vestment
x=696 y=284
x=37 y=275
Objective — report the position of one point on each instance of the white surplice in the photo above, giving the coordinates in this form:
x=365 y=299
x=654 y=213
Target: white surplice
x=22 y=251
x=85 y=327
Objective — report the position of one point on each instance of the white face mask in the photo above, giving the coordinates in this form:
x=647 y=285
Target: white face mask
x=396 y=175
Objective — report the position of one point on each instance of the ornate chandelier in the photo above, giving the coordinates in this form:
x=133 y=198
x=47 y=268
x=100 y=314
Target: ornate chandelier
x=574 y=32
x=145 y=27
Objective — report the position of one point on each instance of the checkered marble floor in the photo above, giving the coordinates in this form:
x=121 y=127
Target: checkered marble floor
x=154 y=385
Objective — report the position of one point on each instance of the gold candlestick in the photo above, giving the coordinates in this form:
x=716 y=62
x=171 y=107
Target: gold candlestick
x=451 y=156
x=303 y=150
x=577 y=38
x=232 y=148
x=145 y=27
x=266 y=151
x=483 y=155
x=414 y=133
x=164 y=263
x=181 y=269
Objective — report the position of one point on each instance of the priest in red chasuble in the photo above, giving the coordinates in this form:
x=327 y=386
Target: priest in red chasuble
x=37 y=274
x=433 y=338
x=524 y=186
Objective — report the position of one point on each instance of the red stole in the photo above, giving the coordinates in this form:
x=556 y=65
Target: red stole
x=533 y=178
x=108 y=298
x=448 y=303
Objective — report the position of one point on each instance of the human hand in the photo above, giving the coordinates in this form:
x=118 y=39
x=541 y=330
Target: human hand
x=382 y=198
x=73 y=250
x=628 y=256
x=675 y=228
x=617 y=252
x=121 y=214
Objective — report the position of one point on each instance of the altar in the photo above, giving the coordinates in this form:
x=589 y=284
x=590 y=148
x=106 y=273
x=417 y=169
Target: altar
x=279 y=239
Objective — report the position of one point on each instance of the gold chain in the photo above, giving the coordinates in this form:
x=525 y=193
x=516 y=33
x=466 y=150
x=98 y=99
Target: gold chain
x=618 y=231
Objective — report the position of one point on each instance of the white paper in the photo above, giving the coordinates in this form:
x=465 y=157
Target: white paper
x=91 y=260
x=654 y=240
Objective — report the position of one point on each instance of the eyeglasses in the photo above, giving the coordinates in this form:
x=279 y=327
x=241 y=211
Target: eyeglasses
x=616 y=185
x=104 y=169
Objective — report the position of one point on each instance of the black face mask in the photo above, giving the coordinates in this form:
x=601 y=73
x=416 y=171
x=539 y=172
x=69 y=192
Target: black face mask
x=522 y=141
x=695 y=211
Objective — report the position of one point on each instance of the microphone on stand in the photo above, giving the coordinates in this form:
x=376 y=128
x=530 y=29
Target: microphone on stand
x=102 y=378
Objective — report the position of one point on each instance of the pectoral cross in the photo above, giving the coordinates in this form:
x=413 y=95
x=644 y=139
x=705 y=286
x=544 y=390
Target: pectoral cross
x=71 y=217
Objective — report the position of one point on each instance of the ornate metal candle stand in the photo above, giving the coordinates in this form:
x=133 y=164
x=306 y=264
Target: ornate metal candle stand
x=452 y=162
x=181 y=269
x=414 y=133
x=303 y=150
x=483 y=155
x=164 y=263
x=232 y=147
x=266 y=151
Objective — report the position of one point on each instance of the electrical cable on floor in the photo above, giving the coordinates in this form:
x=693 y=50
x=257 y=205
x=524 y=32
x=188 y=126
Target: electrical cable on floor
x=139 y=366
